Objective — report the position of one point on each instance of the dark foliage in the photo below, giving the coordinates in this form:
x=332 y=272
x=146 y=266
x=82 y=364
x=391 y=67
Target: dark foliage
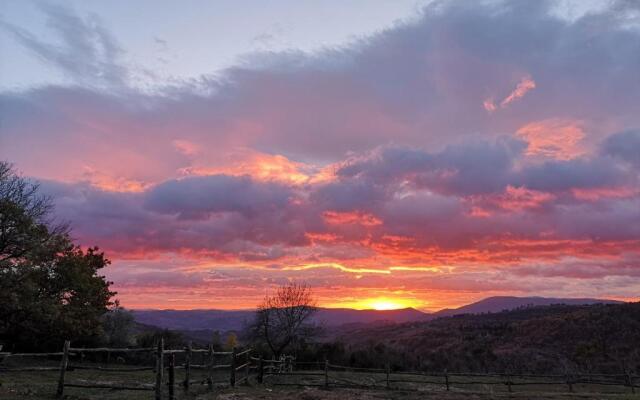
x=560 y=339
x=50 y=289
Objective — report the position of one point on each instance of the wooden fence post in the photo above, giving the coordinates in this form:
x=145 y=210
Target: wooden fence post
x=388 y=373
x=210 y=371
x=159 y=368
x=508 y=383
x=630 y=381
x=63 y=367
x=248 y=366
x=172 y=376
x=261 y=370
x=446 y=379
x=326 y=373
x=187 y=367
x=570 y=383
x=232 y=378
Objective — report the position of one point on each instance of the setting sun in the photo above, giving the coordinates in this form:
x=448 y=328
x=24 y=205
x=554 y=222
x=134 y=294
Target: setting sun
x=386 y=304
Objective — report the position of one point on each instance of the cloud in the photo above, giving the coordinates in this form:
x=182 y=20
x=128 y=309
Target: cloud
x=369 y=156
x=89 y=54
x=525 y=85
x=195 y=197
x=625 y=146
x=553 y=138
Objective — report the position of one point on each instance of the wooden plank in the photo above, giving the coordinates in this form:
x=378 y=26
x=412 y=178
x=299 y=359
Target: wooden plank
x=388 y=371
x=295 y=373
x=241 y=366
x=211 y=366
x=110 y=385
x=29 y=369
x=33 y=354
x=357 y=369
x=187 y=367
x=232 y=377
x=172 y=377
x=111 y=350
x=243 y=352
x=248 y=365
x=98 y=368
x=326 y=373
x=63 y=367
x=159 y=368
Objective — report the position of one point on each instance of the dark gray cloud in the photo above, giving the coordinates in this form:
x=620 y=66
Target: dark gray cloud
x=195 y=197
x=624 y=145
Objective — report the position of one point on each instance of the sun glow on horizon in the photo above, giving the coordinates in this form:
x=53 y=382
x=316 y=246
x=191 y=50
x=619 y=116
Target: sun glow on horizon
x=386 y=305
x=381 y=304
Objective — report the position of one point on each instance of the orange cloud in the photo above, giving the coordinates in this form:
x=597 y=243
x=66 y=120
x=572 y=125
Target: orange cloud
x=518 y=198
x=339 y=218
x=553 y=138
x=110 y=183
x=260 y=166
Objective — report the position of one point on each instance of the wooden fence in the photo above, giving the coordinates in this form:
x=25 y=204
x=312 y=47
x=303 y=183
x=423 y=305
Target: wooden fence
x=241 y=365
x=387 y=379
x=164 y=361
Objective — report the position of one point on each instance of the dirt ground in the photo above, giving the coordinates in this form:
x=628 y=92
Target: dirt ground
x=356 y=394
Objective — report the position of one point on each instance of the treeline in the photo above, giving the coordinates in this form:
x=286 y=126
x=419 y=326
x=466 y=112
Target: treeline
x=550 y=339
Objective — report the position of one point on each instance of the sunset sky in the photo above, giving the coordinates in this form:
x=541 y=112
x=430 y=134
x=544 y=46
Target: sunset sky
x=388 y=153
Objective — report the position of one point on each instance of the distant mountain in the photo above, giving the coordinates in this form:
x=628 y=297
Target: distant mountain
x=504 y=303
x=194 y=320
x=222 y=320
x=342 y=316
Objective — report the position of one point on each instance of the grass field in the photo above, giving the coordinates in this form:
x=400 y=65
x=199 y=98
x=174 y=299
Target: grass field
x=42 y=385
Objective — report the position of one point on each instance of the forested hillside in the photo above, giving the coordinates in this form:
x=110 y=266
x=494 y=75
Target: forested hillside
x=559 y=339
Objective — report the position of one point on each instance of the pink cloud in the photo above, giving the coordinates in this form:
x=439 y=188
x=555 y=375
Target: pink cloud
x=525 y=85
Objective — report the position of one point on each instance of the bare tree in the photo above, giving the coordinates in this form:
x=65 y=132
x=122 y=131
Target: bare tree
x=284 y=318
x=25 y=223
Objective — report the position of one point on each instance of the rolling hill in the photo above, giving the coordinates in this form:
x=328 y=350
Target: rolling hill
x=551 y=338
x=504 y=303
x=223 y=320
x=235 y=320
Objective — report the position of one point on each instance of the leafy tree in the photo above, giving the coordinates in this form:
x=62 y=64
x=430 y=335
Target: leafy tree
x=216 y=340
x=118 y=325
x=50 y=289
x=172 y=339
x=283 y=319
x=232 y=341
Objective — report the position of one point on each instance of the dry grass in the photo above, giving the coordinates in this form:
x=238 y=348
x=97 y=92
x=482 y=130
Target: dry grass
x=42 y=385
